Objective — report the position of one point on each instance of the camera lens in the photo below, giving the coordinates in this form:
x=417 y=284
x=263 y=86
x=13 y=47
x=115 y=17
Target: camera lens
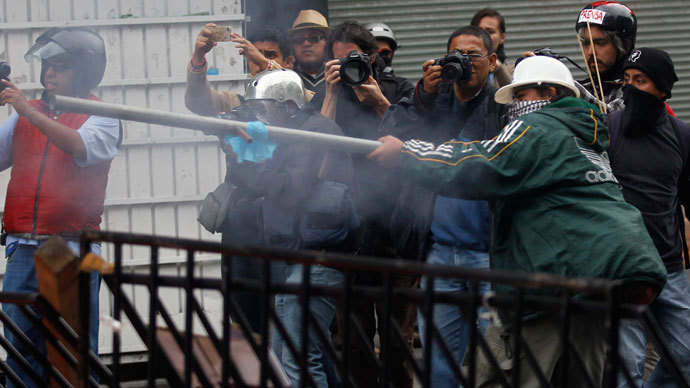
x=355 y=69
x=451 y=72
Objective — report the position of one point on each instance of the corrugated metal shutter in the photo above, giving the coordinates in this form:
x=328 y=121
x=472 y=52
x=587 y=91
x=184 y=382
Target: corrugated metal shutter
x=160 y=174
x=423 y=29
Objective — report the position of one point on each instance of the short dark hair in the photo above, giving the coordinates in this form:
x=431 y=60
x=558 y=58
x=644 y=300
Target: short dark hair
x=276 y=35
x=474 y=31
x=561 y=91
x=353 y=32
x=482 y=13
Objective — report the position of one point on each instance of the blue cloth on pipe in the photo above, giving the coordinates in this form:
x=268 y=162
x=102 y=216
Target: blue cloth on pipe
x=259 y=149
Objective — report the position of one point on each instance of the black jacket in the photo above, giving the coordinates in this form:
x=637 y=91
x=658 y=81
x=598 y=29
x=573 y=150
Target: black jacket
x=652 y=166
x=411 y=119
x=376 y=188
x=271 y=195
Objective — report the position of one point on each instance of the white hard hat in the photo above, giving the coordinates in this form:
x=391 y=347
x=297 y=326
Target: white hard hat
x=538 y=70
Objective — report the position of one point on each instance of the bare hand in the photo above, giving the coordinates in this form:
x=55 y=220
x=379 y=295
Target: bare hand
x=388 y=153
x=204 y=43
x=15 y=97
x=332 y=76
x=528 y=54
x=369 y=93
x=250 y=51
x=431 y=77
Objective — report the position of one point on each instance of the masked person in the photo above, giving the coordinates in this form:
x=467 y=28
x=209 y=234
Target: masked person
x=265 y=50
x=60 y=162
x=650 y=156
x=492 y=22
x=288 y=199
x=357 y=107
x=613 y=30
x=557 y=209
x=386 y=44
x=428 y=225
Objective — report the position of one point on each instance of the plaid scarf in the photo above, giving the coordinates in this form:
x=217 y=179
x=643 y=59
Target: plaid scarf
x=519 y=108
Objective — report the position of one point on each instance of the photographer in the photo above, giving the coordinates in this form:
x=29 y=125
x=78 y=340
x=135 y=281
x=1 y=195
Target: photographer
x=454 y=101
x=60 y=163
x=356 y=101
x=265 y=50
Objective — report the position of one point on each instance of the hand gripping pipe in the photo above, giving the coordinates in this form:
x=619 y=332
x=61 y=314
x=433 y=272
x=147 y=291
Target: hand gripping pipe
x=210 y=125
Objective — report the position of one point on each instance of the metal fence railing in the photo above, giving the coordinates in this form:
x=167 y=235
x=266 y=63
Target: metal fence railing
x=197 y=354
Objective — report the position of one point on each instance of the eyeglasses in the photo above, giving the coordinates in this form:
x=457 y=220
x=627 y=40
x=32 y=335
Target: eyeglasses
x=474 y=57
x=313 y=39
x=385 y=52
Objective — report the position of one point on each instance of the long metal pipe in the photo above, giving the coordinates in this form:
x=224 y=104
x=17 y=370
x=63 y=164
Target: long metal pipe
x=210 y=124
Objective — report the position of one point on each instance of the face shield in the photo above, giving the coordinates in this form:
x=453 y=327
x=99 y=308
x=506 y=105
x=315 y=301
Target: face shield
x=45 y=51
x=266 y=110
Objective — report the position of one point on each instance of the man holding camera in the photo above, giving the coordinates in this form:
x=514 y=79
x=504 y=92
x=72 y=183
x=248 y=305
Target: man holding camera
x=265 y=50
x=355 y=100
x=60 y=163
x=453 y=101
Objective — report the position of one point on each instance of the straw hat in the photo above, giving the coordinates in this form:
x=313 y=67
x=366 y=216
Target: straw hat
x=309 y=18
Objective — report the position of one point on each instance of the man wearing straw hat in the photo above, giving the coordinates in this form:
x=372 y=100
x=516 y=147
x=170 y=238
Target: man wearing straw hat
x=308 y=34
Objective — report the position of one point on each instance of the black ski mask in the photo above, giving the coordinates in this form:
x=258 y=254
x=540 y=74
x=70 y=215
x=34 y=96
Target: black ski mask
x=642 y=109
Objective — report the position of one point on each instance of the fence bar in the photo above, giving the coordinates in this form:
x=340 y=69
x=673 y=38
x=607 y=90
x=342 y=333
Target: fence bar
x=346 y=331
x=188 y=322
x=428 y=307
x=565 y=340
x=304 y=344
x=153 y=310
x=85 y=317
x=516 y=329
x=117 y=315
x=474 y=325
x=226 y=269
x=385 y=341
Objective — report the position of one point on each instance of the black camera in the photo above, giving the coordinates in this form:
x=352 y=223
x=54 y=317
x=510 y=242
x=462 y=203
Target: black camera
x=355 y=68
x=455 y=67
x=4 y=73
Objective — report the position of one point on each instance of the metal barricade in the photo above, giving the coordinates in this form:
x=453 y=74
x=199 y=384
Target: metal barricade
x=176 y=351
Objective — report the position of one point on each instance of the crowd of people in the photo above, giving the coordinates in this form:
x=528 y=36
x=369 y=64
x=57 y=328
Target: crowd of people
x=483 y=164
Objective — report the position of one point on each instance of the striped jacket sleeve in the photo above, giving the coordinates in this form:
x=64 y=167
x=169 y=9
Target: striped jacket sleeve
x=487 y=169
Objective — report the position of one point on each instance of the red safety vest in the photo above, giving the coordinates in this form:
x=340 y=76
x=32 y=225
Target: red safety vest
x=48 y=193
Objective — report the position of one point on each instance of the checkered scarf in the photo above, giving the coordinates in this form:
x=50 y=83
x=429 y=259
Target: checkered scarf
x=519 y=108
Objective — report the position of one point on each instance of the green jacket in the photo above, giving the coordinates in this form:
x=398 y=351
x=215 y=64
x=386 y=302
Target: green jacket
x=557 y=206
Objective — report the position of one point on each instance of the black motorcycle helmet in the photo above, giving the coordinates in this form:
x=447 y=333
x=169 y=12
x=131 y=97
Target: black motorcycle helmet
x=611 y=16
x=82 y=46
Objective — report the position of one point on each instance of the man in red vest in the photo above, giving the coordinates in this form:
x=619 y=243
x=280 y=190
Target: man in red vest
x=60 y=163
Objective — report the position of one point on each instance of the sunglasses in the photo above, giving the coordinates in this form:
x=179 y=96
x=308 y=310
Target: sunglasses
x=385 y=52
x=313 y=39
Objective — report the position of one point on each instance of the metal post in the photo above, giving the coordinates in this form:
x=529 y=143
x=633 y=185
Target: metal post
x=153 y=311
x=117 y=307
x=188 y=321
x=212 y=125
x=84 y=317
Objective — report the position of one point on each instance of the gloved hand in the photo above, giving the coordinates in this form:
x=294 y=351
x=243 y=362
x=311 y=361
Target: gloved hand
x=258 y=150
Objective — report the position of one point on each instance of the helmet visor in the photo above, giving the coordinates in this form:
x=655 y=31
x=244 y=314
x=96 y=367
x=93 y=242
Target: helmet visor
x=44 y=50
x=265 y=110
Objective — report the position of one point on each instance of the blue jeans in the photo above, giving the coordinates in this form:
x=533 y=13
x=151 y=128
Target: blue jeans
x=453 y=327
x=323 y=310
x=671 y=309
x=20 y=276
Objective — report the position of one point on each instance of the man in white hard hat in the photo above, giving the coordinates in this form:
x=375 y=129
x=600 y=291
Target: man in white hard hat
x=557 y=209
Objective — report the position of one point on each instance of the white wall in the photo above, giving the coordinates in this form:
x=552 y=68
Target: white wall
x=160 y=175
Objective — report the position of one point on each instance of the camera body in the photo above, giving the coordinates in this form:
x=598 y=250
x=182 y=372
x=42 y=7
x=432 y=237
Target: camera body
x=355 y=68
x=456 y=66
x=5 y=70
